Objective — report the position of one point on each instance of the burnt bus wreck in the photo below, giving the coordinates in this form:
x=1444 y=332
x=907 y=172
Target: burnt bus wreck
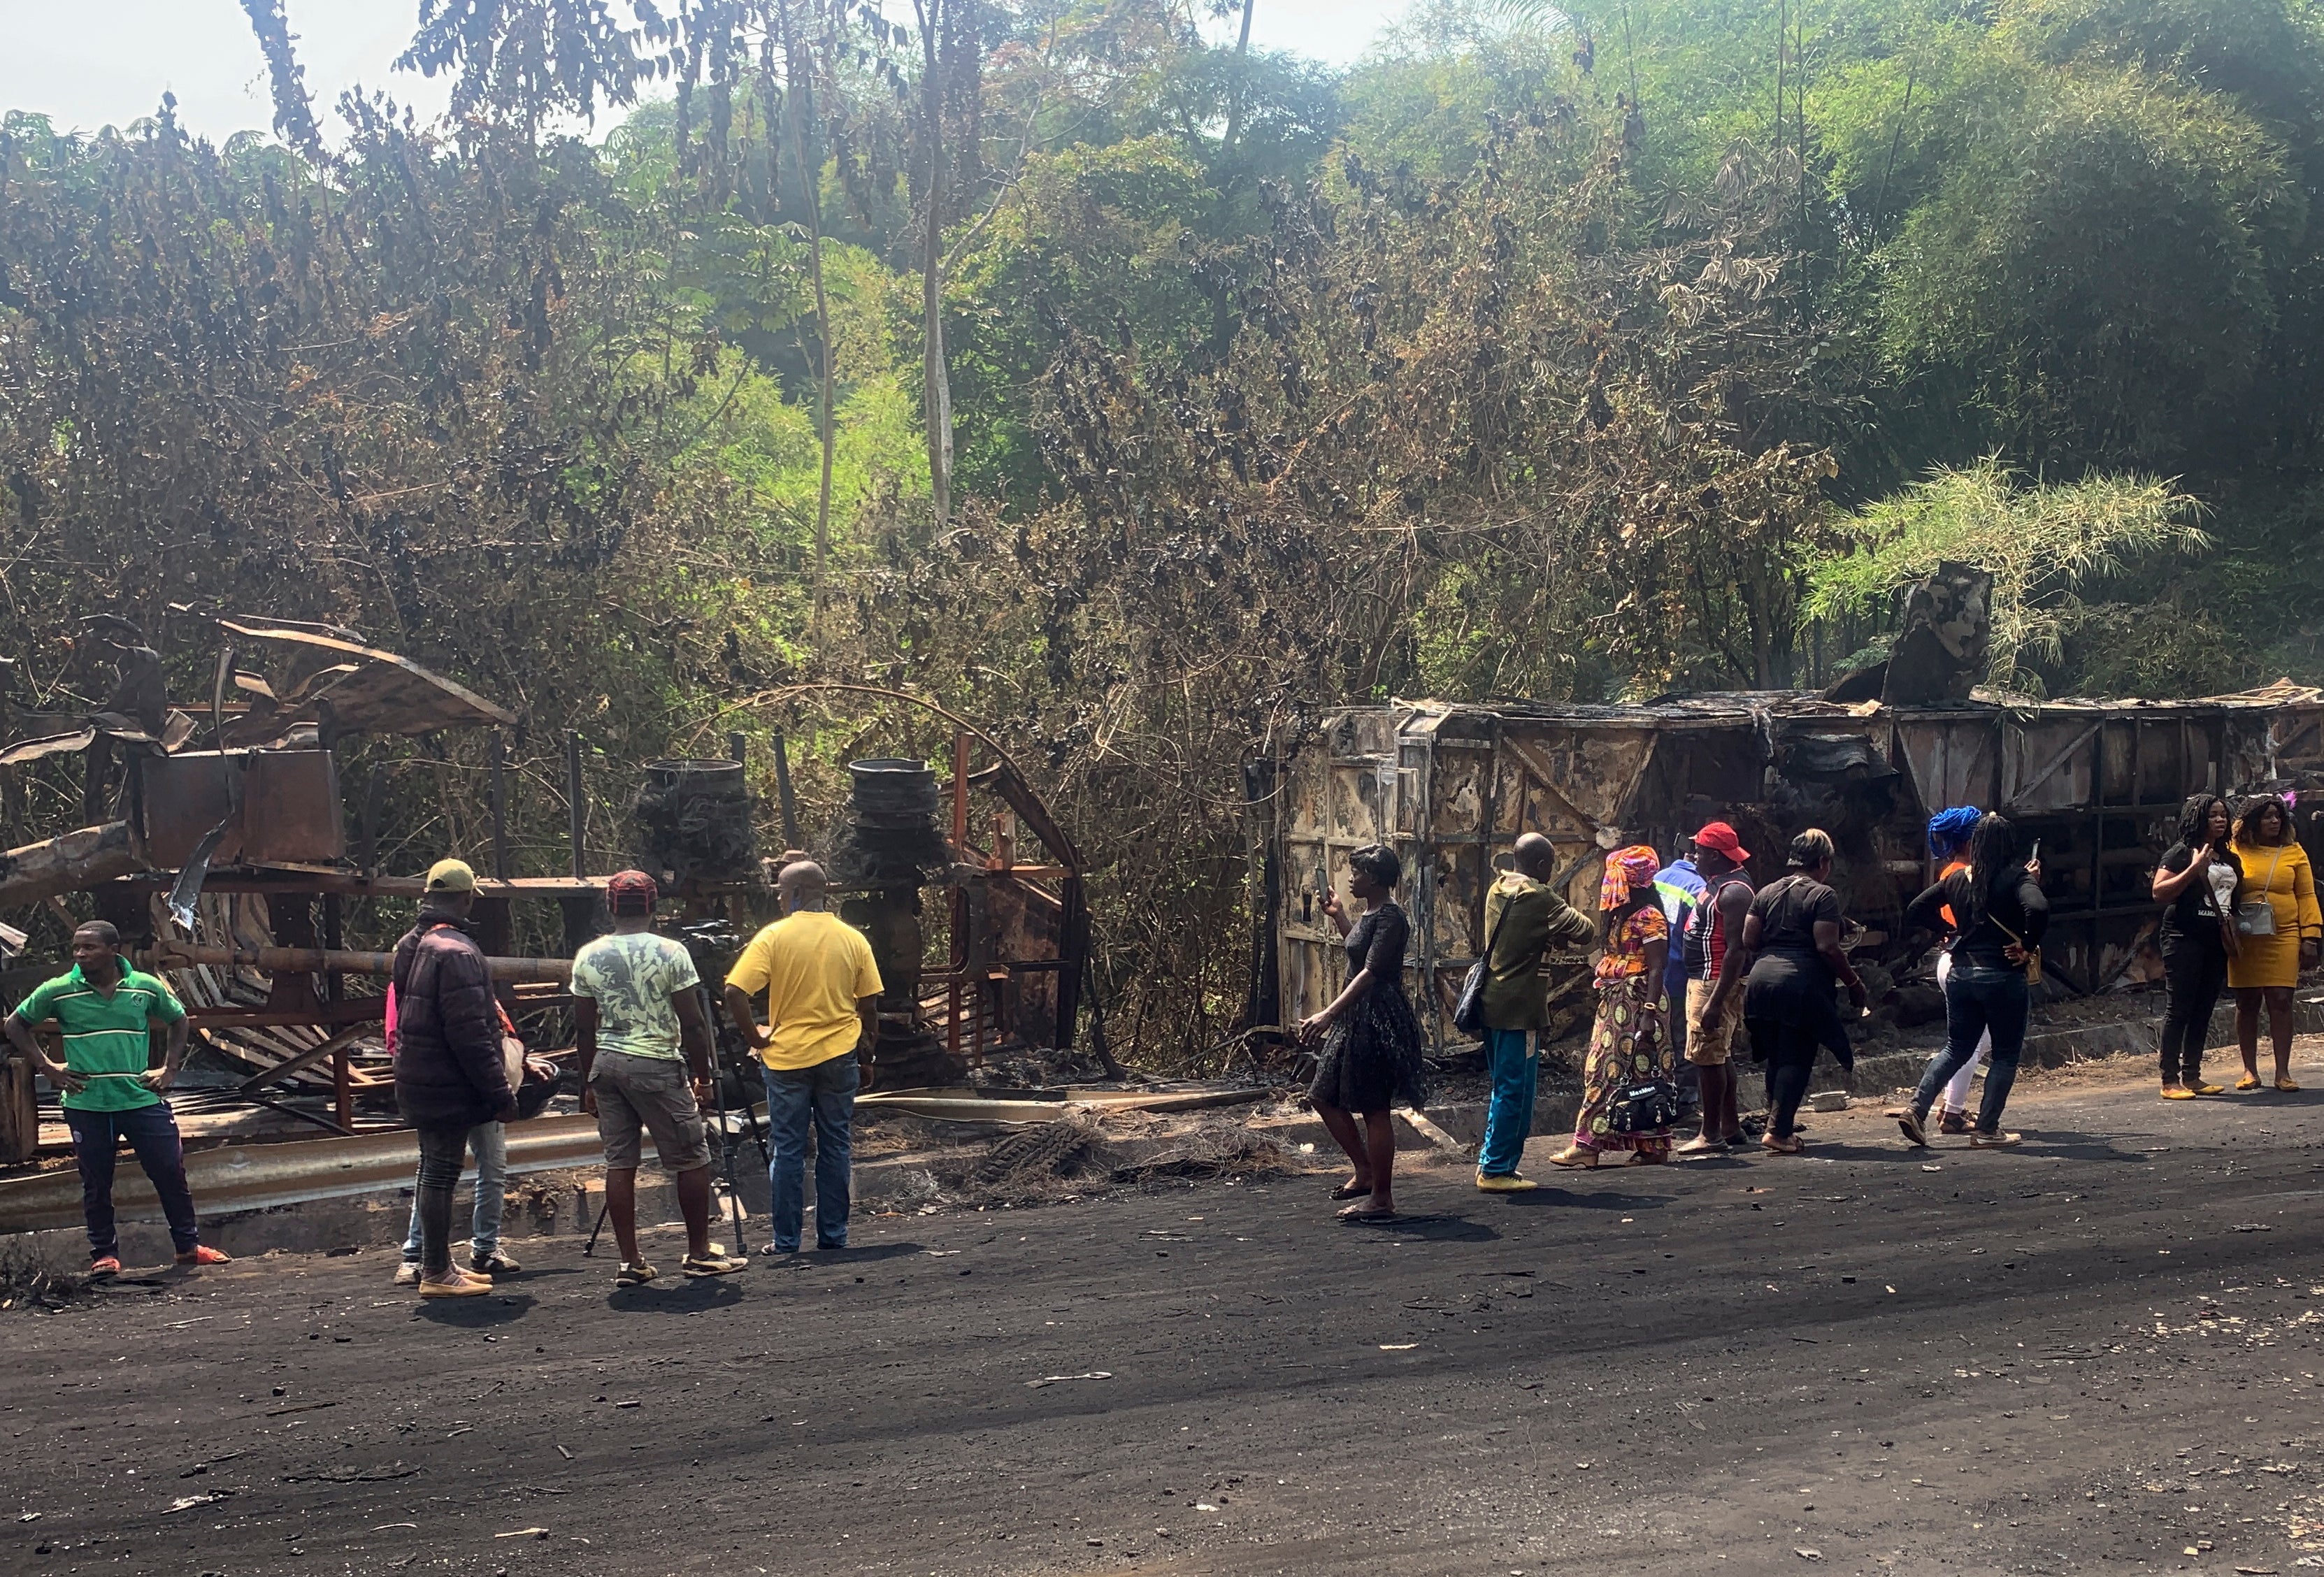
x=1451 y=787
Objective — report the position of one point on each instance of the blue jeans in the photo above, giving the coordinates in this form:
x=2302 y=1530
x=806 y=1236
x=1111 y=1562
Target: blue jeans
x=488 y=1142
x=1508 y=1119
x=825 y=1094
x=152 y=1135
x=1980 y=999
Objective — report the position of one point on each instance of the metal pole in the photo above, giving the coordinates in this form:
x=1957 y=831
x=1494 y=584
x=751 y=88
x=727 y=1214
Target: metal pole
x=367 y=856
x=577 y=808
x=325 y=960
x=343 y=1091
x=500 y=806
x=726 y=1135
x=959 y=895
x=727 y=1150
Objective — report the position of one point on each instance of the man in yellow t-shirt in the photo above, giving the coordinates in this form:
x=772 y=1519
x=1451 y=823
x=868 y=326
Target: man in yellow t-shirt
x=822 y=993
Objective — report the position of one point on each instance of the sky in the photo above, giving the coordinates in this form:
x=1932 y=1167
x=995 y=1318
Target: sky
x=100 y=62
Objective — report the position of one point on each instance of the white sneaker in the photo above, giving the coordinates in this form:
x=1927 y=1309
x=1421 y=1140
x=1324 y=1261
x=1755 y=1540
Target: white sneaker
x=407 y=1274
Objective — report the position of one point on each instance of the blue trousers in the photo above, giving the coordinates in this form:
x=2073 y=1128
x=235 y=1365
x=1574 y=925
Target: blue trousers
x=1508 y=1119
x=488 y=1142
x=153 y=1134
x=825 y=1096
x=1978 y=1000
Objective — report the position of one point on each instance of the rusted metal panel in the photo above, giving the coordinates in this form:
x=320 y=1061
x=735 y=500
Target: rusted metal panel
x=1590 y=772
x=186 y=795
x=291 y=808
x=1953 y=760
x=1363 y=803
x=1306 y=799
x=2048 y=764
x=347 y=688
x=289 y=805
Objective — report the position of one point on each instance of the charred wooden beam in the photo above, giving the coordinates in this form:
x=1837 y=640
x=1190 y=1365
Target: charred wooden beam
x=68 y=863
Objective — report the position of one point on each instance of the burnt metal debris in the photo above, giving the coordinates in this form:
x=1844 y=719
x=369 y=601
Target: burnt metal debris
x=1451 y=788
x=891 y=842
x=694 y=820
x=217 y=844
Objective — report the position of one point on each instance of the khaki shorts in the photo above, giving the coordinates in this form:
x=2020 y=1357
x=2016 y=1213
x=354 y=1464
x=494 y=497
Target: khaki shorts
x=1709 y=1045
x=649 y=1095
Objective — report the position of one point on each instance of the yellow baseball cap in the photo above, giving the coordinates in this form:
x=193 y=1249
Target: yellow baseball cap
x=451 y=876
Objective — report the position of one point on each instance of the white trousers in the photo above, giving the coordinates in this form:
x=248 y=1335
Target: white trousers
x=1957 y=1092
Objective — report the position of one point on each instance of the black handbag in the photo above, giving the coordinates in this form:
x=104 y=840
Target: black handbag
x=1643 y=1107
x=1469 y=1011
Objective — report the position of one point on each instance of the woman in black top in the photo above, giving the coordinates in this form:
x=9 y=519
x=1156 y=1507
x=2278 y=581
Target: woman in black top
x=1999 y=915
x=1790 y=946
x=2196 y=883
x=1371 y=1058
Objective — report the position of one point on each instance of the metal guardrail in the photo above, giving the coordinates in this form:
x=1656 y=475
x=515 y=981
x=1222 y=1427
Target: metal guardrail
x=235 y=1178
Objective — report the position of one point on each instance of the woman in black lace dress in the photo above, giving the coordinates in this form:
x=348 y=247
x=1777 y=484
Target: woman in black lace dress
x=1370 y=1057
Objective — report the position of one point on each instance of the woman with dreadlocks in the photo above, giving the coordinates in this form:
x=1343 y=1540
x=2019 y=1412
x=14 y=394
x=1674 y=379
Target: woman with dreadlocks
x=1950 y=831
x=1999 y=917
x=1627 y=1048
x=2195 y=884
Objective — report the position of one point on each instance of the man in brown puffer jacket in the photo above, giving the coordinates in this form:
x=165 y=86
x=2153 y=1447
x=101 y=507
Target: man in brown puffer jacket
x=449 y=1073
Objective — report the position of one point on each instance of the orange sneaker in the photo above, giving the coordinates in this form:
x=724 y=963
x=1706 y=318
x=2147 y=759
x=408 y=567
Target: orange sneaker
x=203 y=1254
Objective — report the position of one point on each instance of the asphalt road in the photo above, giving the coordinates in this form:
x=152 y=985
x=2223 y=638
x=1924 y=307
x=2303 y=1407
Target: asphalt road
x=2088 y=1355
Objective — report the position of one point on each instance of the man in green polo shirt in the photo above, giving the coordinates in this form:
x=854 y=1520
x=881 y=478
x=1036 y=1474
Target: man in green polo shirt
x=105 y=1012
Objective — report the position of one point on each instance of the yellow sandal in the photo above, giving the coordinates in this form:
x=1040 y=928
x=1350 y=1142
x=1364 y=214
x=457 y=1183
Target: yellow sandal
x=2249 y=1081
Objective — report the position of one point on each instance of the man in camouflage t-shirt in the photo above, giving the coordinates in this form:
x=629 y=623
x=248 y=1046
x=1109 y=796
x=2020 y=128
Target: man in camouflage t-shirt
x=640 y=1023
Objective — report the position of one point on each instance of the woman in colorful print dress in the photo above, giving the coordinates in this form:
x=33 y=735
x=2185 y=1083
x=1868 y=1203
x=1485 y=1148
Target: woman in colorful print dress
x=1628 y=1046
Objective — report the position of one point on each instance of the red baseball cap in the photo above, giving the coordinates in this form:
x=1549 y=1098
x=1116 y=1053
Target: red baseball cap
x=1718 y=836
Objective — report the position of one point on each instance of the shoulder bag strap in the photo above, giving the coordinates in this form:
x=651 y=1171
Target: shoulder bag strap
x=1493 y=939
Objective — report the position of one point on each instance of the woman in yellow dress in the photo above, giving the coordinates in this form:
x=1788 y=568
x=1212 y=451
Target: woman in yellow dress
x=2274 y=941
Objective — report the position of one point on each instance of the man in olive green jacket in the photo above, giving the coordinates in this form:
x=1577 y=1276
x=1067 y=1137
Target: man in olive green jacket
x=1523 y=919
